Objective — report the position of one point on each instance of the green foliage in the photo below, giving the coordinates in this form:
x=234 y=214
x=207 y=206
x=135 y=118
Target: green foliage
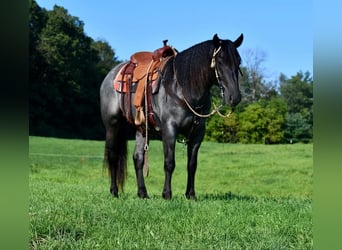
x=297 y=91
x=298 y=94
x=66 y=70
x=249 y=197
x=262 y=124
x=106 y=54
x=275 y=118
x=222 y=130
x=252 y=124
x=298 y=128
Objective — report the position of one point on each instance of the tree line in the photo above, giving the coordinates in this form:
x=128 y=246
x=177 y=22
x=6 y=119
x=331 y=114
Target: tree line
x=268 y=113
x=67 y=68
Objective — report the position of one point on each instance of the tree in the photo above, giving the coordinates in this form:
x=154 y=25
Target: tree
x=37 y=64
x=262 y=122
x=297 y=128
x=297 y=91
x=222 y=129
x=252 y=84
x=106 y=55
x=298 y=94
x=66 y=54
x=66 y=70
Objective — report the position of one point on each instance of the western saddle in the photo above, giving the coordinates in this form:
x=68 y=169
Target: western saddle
x=140 y=76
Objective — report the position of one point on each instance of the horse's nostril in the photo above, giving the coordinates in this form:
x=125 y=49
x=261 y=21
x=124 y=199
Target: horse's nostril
x=231 y=100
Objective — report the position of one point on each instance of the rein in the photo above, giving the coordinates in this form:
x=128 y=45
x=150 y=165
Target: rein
x=216 y=109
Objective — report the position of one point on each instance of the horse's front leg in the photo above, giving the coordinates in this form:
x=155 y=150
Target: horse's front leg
x=169 y=141
x=192 y=166
x=138 y=158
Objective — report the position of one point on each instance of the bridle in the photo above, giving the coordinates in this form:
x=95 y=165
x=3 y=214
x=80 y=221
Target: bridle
x=213 y=65
x=216 y=109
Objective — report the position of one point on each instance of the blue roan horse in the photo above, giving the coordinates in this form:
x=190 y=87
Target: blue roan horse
x=184 y=94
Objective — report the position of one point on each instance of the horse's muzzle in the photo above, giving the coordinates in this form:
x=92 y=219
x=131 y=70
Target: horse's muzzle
x=233 y=100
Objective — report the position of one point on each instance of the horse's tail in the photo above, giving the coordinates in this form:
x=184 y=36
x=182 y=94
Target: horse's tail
x=121 y=171
x=116 y=157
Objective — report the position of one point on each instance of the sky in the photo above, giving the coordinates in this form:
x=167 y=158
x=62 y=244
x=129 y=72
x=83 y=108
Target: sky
x=281 y=30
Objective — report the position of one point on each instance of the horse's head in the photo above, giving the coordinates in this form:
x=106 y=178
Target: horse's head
x=226 y=62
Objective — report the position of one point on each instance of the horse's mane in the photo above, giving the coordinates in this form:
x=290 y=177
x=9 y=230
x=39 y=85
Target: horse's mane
x=192 y=66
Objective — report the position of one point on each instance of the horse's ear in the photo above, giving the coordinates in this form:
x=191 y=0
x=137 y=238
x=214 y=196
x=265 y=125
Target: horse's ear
x=238 y=41
x=217 y=41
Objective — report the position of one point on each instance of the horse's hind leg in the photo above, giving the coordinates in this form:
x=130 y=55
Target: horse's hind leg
x=115 y=155
x=111 y=160
x=138 y=158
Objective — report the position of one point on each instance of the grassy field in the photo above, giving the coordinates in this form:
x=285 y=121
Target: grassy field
x=249 y=197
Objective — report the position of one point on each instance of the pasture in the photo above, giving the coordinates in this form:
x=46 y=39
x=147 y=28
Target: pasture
x=249 y=197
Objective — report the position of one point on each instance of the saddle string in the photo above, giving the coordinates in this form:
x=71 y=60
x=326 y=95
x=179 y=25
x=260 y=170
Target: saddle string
x=146 y=147
x=146 y=105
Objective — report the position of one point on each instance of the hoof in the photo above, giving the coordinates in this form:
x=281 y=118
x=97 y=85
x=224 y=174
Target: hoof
x=167 y=195
x=190 y=196
x=143 y=195
x=114 y=194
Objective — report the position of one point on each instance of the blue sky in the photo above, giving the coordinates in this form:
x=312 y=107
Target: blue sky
x=282 y=29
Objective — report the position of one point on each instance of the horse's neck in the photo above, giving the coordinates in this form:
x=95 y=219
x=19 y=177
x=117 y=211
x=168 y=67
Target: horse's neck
x=200 y=83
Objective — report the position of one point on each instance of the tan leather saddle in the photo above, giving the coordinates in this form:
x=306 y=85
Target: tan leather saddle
x=142 y=71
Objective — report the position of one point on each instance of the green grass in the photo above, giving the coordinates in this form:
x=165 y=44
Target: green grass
x=249 y=197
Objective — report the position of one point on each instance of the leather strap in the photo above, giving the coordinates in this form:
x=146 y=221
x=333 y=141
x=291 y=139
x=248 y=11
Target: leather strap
x=151 y=114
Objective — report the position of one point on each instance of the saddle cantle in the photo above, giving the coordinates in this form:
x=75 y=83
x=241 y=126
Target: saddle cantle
x=142 y=71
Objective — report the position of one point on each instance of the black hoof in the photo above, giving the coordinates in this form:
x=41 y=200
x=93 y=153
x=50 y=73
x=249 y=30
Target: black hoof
x=191 y=196
x=114 y=194
x=167 y=195
x=143 y=195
